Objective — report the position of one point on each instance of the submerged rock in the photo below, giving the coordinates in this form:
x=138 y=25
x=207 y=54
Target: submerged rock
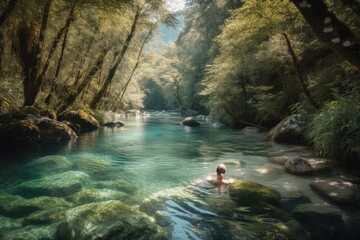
x=84 y=120
x=190 y=121
x=15 y=206
x=92 y=163
x=298 y=166
x=48 y=164
x=32 y=233
x=322 y=222
x=118 y=184
x=337 y=191
x=109 y=220
x=7 y=224
x=290 y=130
x=57 y=185
x=247 y=193
x=96 y=195
x=306 y=166
x=291 y=200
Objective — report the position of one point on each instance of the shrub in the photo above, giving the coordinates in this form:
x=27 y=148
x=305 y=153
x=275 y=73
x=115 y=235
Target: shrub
x=335 y=131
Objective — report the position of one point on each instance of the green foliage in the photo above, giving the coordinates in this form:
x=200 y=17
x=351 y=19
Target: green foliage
x=335 y=131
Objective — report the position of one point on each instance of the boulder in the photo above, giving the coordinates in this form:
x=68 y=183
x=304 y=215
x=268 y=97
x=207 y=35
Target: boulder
x=247 y=193
x=337 y=191
x=290 y=130
x=48 y=164
x=39 y=111
x=306 y=166
x=290 y=200
x=298 y=166
x=96 y=195
x=7 y=224
x=57 y=185
x=33 y=233
x=117 y=184
x=91 y=163
x=84 y=120
x=190 y=121
x=322 y=222
x=4 y=105
x=114 y=124
x=109 y=220
x=17 y=127
x=15 y=206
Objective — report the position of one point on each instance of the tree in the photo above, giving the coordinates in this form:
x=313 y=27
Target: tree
x=333 y=32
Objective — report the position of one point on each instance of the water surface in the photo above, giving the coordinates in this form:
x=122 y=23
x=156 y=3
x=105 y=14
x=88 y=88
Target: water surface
x=156 y=154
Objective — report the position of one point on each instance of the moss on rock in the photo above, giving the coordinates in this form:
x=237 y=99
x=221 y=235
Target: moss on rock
x=248 y=193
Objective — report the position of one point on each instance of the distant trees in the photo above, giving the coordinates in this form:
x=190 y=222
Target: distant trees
x=78 y=52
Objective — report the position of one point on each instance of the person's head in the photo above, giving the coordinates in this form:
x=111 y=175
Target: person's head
x=221 y=170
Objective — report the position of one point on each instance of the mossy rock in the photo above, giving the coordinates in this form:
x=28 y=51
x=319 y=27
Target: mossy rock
x=48 y=164
x=57 y=185
x=249 y=193
x=33 y=233
x=96 y=195
x=84 y=120
x=4 y=105
x=109 y=220
x=92 y=164
x=17 y=127
x=7 y=224
x=118 y=184
x=190 y=122
x=15 y=206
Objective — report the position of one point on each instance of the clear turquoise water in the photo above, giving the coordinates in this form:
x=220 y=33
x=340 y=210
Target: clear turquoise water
x=158 y=154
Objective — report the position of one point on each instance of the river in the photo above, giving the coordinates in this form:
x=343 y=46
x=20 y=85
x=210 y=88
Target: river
x=156 y=155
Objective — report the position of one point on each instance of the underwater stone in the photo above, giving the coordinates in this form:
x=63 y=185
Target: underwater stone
x=92 y=163
x=16 y=206
x=322 y=222
x=118 y=184
x=8 y=224
x=32 y=233
x=56 y=185
x=248 y=193
x=109 y=220
x=96 y=195
x=340 y=192
x=48 y=164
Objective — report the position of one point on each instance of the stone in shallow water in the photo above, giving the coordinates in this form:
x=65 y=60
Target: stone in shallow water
x=340 y=192
x=92 y=164
x=32 y=233
x=118 y=184
x=322 y=222
x=96 y=195
x=246 y=192
x=57 y=185
x=15 y=206
x=109 y=220
x=7 y=224
x=48 y=164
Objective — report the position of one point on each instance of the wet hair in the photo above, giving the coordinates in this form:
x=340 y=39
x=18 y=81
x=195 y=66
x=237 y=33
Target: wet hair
x=221 y=169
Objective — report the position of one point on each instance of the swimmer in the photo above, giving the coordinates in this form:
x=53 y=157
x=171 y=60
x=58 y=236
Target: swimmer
x=220 y=173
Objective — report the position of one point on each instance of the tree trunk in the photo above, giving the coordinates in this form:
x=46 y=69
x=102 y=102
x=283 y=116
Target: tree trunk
x=7 y=12
x=334 y=33
x=65 y=29
x=123 y=90
x=71 y=97
x=353 y=5
x=299 y=72
x=112 y=71
x=31 y=86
